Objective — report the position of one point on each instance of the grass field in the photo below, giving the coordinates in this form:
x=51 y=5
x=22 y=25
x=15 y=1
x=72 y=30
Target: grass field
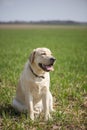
x=68 y=81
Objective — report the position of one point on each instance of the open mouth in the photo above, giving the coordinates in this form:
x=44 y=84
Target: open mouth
x=46 y=68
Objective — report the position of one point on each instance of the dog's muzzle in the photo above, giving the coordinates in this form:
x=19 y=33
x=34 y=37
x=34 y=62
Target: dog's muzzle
x=48 y=67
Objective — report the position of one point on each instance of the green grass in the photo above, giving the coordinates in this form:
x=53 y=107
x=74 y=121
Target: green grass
x=68 y=81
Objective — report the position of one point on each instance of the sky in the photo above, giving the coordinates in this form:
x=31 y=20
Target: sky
x=37 y=10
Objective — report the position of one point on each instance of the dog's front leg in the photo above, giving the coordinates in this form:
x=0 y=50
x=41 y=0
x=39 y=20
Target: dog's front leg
x=29 y=102
x=45 y=100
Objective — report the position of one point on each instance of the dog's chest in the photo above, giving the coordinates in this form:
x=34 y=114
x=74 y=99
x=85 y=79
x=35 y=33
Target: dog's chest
x=39 y=87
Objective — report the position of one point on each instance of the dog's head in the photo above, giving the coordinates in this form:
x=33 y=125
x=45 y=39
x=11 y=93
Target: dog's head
x=42 y=58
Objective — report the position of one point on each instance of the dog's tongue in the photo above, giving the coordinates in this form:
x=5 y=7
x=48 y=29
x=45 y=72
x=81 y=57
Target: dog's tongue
x=49 y=68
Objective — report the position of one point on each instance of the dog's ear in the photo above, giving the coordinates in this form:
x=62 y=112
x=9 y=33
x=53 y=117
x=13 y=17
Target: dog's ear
x=32 y=56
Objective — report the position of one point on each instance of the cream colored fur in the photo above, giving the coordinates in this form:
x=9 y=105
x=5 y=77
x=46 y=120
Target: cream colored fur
x=33 y=92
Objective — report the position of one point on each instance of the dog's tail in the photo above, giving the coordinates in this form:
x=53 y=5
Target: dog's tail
x=18 y=105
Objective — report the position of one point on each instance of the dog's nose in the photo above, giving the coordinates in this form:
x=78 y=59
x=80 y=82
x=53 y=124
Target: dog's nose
x=52 y=59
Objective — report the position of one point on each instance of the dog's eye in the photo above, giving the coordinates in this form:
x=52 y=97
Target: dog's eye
x=43 y=53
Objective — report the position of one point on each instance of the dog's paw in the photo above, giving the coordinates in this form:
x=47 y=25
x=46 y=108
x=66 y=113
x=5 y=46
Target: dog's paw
x=32 y=117
x=52 y=110
x=48 y=117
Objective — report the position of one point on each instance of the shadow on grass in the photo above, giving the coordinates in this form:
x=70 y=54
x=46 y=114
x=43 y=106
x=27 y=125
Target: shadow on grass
x=7 y=109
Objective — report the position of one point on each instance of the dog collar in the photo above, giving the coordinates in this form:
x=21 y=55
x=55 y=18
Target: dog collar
x=35 y=74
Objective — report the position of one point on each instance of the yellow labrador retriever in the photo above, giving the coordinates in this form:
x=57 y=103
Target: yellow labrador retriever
x=33 y=92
